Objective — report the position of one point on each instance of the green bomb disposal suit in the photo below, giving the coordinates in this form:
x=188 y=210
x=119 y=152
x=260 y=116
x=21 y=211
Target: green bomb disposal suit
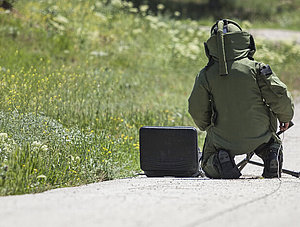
x=235 y=99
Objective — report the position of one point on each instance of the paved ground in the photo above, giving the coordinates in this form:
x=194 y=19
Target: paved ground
x=168 y=201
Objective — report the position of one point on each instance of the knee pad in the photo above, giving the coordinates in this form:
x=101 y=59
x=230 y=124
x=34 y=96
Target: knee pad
x=226 y=165
x=273 y=161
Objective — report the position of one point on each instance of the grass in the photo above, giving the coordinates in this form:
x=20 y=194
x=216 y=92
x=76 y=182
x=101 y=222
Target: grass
x=268 y=13
x=79 y=78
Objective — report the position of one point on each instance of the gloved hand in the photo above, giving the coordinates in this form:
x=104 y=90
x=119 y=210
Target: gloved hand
x=284 y=126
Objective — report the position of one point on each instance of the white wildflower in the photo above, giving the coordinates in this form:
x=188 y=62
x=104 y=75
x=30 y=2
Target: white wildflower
x=133 y=10
x=200 y=33
x=98 y=4
x=295 y=49
x=61 y=19
x=44 y=148
x=3 y=136
x=154 y=26
x=130 y=4
x=177 y=13
x=194 y=48
x=99 y=53
x=137 y=31
x=116 y=3
x=190 y=30
x=123 y=47
x=180 y=48
x=36 y=144
x=162 y=24
x=144 y=8
x=160 y=6
x=152 y=19
x=173 y=31
x=175 y=39
x=101 y=16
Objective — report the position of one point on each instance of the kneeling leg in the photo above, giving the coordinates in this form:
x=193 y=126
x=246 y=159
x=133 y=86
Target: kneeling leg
x=221 y=165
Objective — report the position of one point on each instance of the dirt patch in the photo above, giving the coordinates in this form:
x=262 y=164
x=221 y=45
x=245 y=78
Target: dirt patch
x=276 y=35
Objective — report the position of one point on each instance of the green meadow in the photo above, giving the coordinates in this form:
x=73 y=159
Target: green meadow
x=79 y=78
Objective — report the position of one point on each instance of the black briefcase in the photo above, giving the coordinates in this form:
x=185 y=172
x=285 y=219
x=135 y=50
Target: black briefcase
x=169 y=151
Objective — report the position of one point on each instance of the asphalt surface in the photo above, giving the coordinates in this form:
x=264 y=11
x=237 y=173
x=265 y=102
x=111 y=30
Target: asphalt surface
x=142 y=201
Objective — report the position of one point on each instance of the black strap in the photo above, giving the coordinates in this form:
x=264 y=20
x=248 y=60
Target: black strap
x=214 y=28
x=225 y=26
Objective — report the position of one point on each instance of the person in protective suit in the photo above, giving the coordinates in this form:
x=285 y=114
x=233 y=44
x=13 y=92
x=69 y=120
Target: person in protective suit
x=237 y=101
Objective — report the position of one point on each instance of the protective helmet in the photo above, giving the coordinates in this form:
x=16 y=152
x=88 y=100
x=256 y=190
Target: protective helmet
x=225 y=35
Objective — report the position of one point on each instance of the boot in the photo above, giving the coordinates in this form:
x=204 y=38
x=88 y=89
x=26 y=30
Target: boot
x=226 y=165
x=273 y=162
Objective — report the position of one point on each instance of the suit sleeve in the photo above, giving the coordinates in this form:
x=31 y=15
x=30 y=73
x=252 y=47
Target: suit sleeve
x=275 y=94
x=199 y=103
